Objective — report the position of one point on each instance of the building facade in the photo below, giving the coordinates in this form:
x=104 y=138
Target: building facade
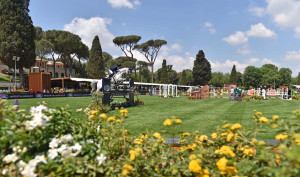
x=41 y=66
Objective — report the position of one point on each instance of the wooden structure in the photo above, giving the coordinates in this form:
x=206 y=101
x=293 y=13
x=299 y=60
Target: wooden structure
x=38 y=82
x=202 y=93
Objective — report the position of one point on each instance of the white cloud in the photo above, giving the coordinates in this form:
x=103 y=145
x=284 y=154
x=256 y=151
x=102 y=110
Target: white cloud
x=292 y=56
x=227 y=66
x=285 y=13
x=269 y=61
x=297 y=32
x=258 y=11
x=176 y=47
x=210 y=27
x=253 y=60
x=87 y=29
x=237 y=38
x=212 y=30
x=124 y=3
x=259 y=62
x=259 y=30
x=243 y=51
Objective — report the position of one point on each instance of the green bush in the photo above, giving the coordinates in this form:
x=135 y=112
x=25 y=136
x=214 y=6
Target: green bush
x=52 y=142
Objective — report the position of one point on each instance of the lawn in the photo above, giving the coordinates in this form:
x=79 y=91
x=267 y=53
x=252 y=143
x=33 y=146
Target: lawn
x=201 y=115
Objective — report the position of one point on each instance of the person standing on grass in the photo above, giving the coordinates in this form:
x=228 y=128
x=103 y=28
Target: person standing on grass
x=239 y=92
x=231 y=91
x=235 y=94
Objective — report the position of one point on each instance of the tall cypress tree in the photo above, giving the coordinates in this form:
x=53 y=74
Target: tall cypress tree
x=183 y=78
x=17 y=34
x=201 y=69
x=233 y=76
x=298 y=79
x=164 y=73
x=96 y=65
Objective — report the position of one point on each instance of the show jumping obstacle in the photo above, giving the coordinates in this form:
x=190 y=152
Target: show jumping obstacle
x=202 y=93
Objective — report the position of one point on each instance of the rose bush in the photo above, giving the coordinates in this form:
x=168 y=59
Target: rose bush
x=51 y=142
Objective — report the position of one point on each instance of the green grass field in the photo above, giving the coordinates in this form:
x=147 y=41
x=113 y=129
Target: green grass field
x=201 y=115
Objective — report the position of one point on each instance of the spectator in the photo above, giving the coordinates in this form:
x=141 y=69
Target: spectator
x=239 y=92
x=231 y=91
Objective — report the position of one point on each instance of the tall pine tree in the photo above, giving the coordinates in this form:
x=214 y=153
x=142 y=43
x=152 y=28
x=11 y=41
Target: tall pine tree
x=96 y=65
x=233 y=76
x=164 y=73
x=17 y=35
x=201 y=69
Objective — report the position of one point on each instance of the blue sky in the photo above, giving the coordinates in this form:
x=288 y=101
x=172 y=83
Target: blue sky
x=247 y=32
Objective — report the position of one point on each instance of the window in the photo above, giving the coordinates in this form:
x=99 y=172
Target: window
x=62 y=75
x=56 y=75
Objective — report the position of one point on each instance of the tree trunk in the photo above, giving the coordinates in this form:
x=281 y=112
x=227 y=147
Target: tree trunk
x=70 y=66
x=21 y=75
x=54 y=68
x=65 y=66
x=135 y=76
x=40 y=64
x=152 y=67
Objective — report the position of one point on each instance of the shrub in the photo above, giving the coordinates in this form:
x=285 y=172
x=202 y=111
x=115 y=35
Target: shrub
x=295 y=97
x=51 y=142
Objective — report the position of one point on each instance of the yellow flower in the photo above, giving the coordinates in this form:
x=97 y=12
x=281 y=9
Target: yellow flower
x=229 y=137
x=118 y=121
x=185 y=134
x=144 y=136
x=193 y=147
x=111 y=119
x=236 y=127
x=157 y=170
x=194 y=166
x=127 y=169
x=138 y=141
x=264 y=120
x=226 y=125
x=214 y=136
x=203 y=137
x=223 y=134
x=277 y=157
x=221 y=164
x=94 y=112
x=132 y=155
x=103 y=116
x=157 y=135
x=123 y=112
x=248 y=152
x=125 y=132
x=275 y=117
x=231 y=169
x=225 y=150
x=281 y=137
x=91 y=116
x=192 y=157
x=261 y=143
x=167 y=122
x=254 y=140
x=204 y=173
x=138 y=150
x=258 y=113
x=178 y=121
x=297 y=140
x=273 y=125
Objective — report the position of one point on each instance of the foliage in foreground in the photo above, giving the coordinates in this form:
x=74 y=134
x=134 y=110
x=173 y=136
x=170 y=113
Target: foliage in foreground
x=51 y=142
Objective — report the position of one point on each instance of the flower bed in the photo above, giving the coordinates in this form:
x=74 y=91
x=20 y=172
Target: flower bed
x=51 y=142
